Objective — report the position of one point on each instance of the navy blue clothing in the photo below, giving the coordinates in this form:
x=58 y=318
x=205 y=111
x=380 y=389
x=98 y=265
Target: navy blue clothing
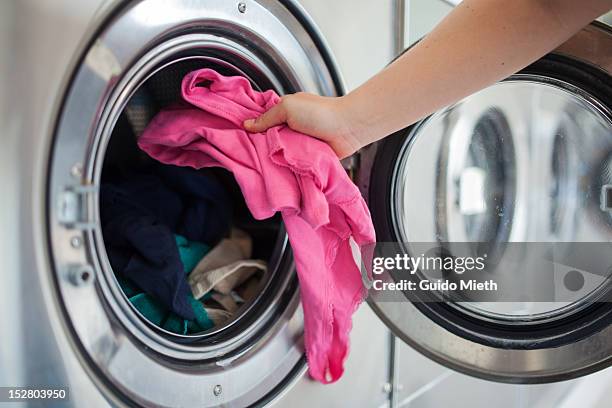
x=140 y=214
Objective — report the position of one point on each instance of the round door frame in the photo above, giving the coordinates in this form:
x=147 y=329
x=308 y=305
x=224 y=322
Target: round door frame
x=503 y=364
x=280 y=37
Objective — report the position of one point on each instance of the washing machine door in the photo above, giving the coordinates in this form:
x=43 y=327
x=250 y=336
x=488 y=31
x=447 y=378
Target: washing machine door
x=151 y=45
x=517 y=177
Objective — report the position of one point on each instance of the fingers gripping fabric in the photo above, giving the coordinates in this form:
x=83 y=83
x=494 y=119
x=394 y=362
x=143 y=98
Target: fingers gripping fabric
x=279 y=170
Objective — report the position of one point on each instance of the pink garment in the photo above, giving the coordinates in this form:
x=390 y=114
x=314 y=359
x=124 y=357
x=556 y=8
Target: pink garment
x=279 y=170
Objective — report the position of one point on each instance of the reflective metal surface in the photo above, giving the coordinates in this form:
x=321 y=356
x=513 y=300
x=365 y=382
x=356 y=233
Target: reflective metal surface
x=169 y=56
x=43 y=42
x=35 y=348
x=523 y=160
x=46 y=39
x=250 y=358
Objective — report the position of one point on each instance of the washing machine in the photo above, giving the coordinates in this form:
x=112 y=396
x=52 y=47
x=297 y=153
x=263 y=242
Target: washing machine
x=530 y=162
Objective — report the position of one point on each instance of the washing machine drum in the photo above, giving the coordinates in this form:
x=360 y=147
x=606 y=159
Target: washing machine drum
x=517 y=177
x=132 y=68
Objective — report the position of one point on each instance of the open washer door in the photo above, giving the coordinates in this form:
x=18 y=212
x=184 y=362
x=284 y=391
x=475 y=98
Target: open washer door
x=526 y=160
x=150 y=45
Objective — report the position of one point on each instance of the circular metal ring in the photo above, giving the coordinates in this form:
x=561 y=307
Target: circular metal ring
x=159 y=58
x=274 y=45
x=476 y=349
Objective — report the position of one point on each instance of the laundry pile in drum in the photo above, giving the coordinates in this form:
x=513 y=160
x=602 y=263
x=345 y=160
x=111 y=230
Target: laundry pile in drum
x=178 y=256
x=171 y=245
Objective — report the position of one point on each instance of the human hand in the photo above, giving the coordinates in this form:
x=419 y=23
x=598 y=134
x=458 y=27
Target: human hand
x=322 y=117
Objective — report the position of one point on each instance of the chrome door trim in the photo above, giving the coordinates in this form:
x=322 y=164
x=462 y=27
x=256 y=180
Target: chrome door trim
x=540 y=365
x=592 y=45
x=122 y=360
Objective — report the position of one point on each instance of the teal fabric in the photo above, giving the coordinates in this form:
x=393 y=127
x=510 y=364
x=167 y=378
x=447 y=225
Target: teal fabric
x=190 y=253
x=150 y=308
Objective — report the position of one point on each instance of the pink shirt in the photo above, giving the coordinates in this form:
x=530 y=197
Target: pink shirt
x=279 y=170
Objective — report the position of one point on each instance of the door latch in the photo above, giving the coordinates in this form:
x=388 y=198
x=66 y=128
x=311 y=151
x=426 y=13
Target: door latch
x=605 y=201
x=73 y=207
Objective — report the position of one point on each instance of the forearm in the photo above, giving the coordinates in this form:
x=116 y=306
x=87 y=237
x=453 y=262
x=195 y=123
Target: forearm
x=478 y=43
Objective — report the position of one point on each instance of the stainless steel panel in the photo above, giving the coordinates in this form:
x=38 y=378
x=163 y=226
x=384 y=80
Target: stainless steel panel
x=414 y=373
x=423 y=16
x=359 y=32
x=457 y=389
x=40 y=44
x=364 y=383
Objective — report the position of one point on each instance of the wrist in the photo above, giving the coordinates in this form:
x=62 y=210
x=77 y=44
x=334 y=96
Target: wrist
x=357 y=132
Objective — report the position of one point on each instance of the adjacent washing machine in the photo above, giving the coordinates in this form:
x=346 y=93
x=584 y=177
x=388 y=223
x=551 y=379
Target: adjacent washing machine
x=527 y=159
x=524 y=160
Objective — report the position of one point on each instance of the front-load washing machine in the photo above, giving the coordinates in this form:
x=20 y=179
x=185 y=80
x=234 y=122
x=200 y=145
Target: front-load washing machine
x=76 y=73
x=524 y=160
x=529 y=162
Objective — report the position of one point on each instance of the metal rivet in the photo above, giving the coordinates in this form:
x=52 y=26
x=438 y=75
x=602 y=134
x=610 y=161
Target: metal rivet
x=241 y=7
x=76 y=170
x=80 y=275
x=76 y=242
x=217 y=390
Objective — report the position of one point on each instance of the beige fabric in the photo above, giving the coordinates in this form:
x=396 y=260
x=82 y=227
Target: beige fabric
x=218 y=316
x=225 y=266
x=249 y=289
x=226 y=301
x=224 y=279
